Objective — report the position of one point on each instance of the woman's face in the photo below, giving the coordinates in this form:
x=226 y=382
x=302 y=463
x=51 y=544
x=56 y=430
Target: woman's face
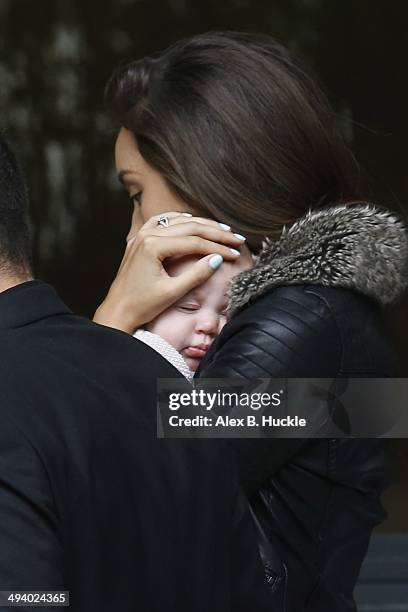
x=147 y=189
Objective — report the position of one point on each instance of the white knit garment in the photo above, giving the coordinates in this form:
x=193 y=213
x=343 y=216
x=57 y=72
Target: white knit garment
x=166 y=350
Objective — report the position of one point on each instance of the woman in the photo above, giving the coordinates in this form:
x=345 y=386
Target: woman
x=226 y=126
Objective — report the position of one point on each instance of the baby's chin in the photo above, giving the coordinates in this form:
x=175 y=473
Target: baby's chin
x=192 y=362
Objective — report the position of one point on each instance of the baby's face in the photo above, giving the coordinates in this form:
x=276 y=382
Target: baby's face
x=193 y=322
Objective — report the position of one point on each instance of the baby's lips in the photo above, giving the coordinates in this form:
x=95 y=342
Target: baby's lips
x=195 y=352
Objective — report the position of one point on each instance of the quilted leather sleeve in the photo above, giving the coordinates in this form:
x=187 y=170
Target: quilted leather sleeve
x=289 y=332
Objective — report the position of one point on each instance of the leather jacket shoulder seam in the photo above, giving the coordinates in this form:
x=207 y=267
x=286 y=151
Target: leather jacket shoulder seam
x=298 y=318
x=323 y=299
x=299 y=305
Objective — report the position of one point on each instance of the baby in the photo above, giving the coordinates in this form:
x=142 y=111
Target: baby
x=184 y=332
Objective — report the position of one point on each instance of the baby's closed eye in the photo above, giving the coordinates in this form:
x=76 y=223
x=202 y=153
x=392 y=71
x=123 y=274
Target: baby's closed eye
x=188 y=307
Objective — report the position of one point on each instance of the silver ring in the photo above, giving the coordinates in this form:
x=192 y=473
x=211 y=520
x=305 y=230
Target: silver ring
x=163 y=221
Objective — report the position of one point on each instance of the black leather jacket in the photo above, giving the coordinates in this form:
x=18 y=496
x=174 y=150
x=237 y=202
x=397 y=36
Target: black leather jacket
x=311 y=307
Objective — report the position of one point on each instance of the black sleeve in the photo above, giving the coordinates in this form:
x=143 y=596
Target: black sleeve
x=273 y=338
x=30 y=549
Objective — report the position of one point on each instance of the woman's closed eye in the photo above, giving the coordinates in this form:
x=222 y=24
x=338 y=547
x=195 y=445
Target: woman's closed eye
x=136 y=197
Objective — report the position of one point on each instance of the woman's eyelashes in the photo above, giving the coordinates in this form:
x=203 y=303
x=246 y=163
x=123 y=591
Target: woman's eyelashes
x=136 y=197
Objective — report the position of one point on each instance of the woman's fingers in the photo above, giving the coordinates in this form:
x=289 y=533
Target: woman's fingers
x=172 y=217
x=203 y=220
x=204 y=230
x=195 y=275
x=142 y=288
x=179 y=218
x=163 y=247
x=152 y=224
x=187 y=218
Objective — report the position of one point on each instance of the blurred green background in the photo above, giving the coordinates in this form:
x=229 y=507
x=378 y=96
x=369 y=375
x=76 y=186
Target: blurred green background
x=55 y=58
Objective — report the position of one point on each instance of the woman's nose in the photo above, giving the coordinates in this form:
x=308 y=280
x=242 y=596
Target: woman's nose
x=136 y=223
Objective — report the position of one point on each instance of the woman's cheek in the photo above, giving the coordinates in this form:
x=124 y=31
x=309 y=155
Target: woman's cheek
x=136 y=222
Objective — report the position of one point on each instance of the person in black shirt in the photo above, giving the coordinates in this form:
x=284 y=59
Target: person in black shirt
x=91 y=502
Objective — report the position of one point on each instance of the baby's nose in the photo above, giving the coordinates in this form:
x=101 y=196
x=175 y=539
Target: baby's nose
x=208 y=323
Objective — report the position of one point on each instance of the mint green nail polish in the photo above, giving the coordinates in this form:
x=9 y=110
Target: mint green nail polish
x=215 y=261
x=224 y=226
x=239 y=237
x=235 y=252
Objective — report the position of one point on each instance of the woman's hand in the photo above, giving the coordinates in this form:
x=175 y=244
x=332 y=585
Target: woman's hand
x=142 y=288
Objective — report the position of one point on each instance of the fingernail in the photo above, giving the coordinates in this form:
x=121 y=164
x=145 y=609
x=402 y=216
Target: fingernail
x=239 y=237
x=216 y=261
x=224 y=226
x=187 y=214
x=235 y=252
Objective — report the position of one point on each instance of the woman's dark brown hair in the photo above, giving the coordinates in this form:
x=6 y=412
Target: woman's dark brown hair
x=237 y=129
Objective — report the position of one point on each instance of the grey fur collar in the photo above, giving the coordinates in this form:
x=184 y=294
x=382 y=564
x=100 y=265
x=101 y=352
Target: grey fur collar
x=358 y=247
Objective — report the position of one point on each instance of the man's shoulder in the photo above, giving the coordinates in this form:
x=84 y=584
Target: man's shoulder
x=69 y=379
x=67 y=334
x=79 y=354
